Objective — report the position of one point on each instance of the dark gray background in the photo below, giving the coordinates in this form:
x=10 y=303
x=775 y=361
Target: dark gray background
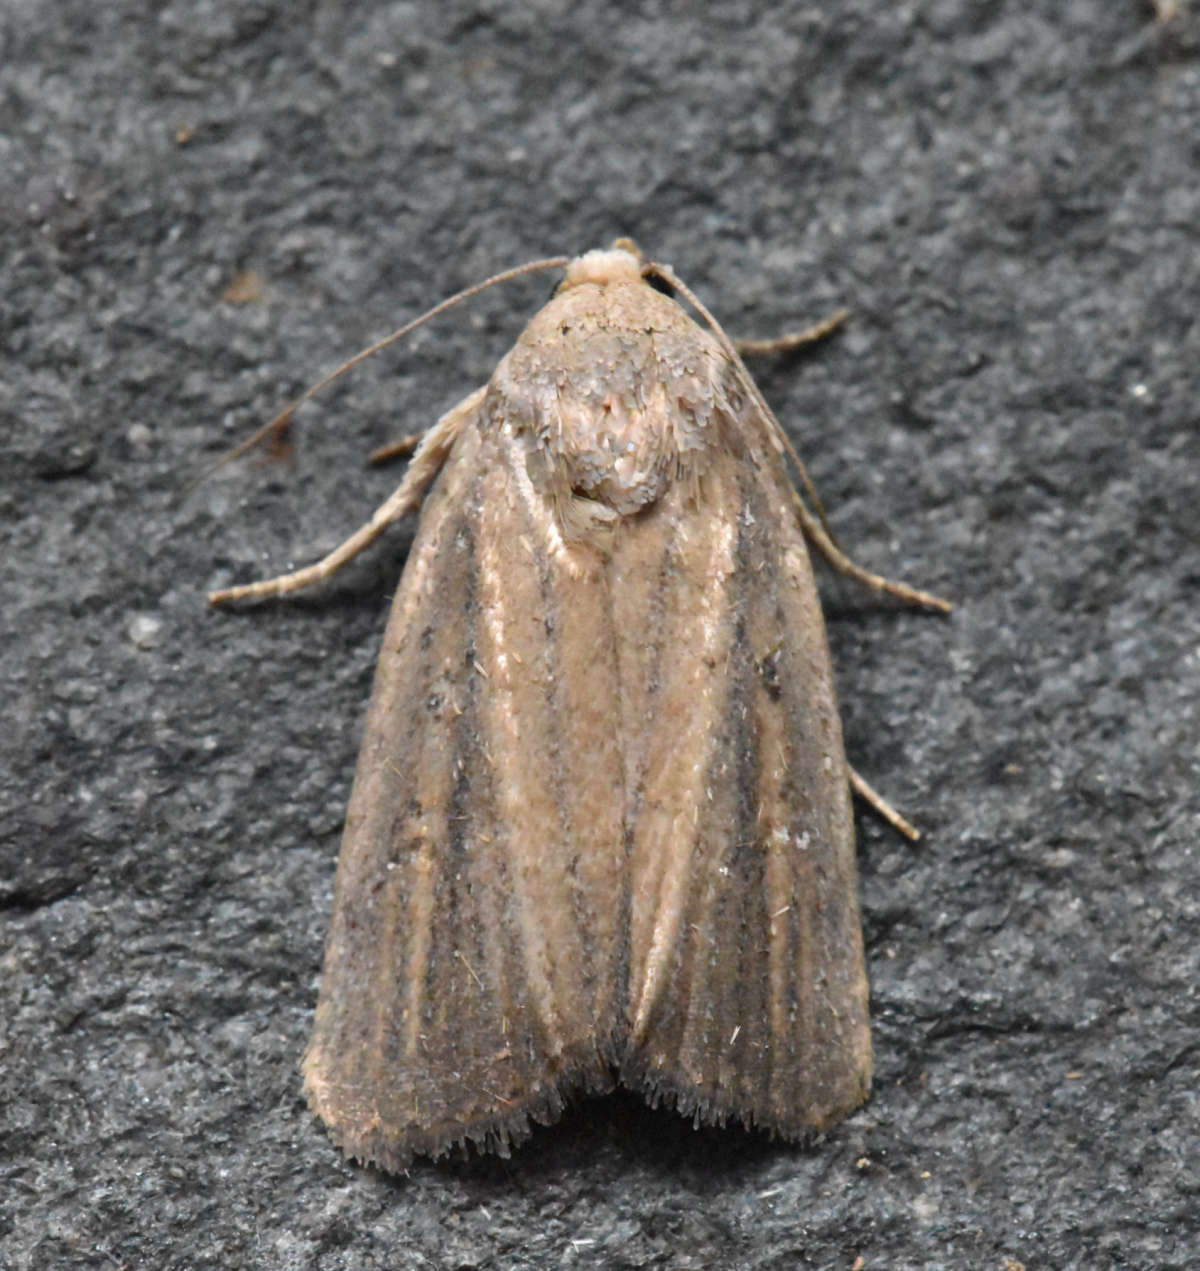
x=1007 y=196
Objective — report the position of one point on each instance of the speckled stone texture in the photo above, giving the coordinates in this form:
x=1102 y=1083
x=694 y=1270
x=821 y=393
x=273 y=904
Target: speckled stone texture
x=1007 y=198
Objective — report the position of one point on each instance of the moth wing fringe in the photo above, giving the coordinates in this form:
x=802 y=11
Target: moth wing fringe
x=395 y=1149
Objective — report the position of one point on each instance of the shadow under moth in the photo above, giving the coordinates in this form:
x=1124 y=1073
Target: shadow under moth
x=601 y=825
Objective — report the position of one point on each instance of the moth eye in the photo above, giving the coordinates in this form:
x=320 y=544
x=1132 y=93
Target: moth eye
x=660 y=285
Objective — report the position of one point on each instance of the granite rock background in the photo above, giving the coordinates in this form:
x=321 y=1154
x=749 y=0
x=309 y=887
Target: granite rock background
x=204 y=206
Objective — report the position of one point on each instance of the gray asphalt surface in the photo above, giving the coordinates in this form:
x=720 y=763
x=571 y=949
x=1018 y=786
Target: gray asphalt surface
x=1005 y=195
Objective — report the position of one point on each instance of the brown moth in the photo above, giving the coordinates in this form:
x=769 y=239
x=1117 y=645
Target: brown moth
x=601 y=825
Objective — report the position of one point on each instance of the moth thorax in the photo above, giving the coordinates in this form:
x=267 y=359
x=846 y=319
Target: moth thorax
x=619 y=451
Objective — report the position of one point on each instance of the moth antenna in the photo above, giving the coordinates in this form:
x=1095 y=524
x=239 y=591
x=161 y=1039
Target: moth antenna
x=818 y=530
x=668 y=275
x=506 y=275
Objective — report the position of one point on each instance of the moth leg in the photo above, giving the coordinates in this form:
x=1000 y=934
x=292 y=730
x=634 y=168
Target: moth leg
x=820 y=538
x=425 y=466
x=882 y=806
x=400 y=449
x=817 y=535
x=405 y=500
x=816 y=529
x=793 y=339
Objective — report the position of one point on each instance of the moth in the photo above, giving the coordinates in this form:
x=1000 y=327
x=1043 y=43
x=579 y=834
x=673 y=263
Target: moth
x=601 y=824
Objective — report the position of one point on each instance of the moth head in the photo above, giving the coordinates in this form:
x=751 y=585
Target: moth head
x=622 y=262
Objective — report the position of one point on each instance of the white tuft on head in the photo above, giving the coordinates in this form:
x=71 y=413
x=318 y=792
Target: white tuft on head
x=614 y=264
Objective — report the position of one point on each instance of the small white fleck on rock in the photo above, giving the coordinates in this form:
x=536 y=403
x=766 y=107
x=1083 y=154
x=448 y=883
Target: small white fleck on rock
x=144 y=630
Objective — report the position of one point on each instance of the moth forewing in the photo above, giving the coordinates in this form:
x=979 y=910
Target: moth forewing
x=482 y=980
x=748 y=994
x=601 y=820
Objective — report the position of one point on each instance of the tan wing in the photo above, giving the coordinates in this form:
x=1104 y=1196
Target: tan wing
x=472 y=972
x=747 y=994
